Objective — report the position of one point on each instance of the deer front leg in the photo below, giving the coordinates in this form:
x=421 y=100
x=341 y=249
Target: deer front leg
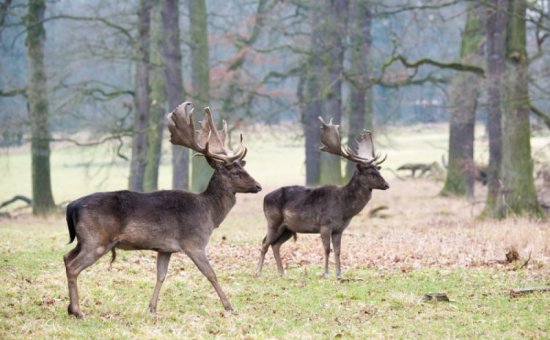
x=325 y=238
x=199 y=258
x=336 y=242
x=162 y=267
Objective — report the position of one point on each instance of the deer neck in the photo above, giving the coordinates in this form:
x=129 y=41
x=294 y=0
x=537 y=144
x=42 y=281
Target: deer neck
x=220 y=197
x=355 y=196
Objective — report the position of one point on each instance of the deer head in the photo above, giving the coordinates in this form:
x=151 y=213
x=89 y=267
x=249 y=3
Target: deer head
x=209 y=142
x=362 y=153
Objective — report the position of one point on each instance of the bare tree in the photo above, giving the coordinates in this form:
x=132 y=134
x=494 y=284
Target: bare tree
x=464 y=97
x=37 y=100
x=517 y=193
x=142 y=98
x=496 y=46
x=171 y=50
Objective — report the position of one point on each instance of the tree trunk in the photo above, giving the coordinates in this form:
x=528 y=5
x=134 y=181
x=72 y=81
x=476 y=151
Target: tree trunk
x=465 y=91
x=496 y=45
x=518 y=194
x=142 y=99
x=360 y=97
x=200 y=82
x=42 y=197
x=336 y=13
x=174 y=85
x=158 y=107
x=312 y=104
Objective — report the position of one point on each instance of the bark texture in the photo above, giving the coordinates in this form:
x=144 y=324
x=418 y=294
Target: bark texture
x=42 y=197
x=158 y=108
x=312 y=107
x=335 y=25
x=496 y=45
x=360 y=97
x=465 y=91
x=518 y=194
x=200 y=82
x=142 y=99
x=174 y=85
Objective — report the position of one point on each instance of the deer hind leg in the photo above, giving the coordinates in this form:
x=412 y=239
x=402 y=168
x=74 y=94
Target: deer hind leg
x=201 y=261
x=276 y=246
x=325 y=238
x=336 y=243
x=76 y=260
x=274 y=231
x=162 y=267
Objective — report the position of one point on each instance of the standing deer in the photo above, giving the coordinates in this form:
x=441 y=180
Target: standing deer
x=326 y=210
x=167 y=221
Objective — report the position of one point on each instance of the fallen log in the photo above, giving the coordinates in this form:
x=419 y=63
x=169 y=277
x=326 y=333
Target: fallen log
x=517 y=292
x=16 y=198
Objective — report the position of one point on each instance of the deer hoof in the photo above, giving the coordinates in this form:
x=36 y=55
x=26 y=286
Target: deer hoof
x=152 y=309
x=228 y=309
x=77 y=314
x=325 y=275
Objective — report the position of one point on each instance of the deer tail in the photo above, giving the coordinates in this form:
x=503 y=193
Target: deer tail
x=70 y=215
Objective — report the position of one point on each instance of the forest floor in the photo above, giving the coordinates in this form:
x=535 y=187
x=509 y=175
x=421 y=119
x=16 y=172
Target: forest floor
x=422 y=243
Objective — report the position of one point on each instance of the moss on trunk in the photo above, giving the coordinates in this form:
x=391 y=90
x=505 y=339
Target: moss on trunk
x=42 y=197
x=518 y=194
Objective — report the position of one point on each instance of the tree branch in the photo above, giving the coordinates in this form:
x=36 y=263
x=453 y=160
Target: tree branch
x=14 y=92
x=541 y=114
x=446 y=65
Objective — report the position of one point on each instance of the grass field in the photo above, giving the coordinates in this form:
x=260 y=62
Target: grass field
x=422 y=243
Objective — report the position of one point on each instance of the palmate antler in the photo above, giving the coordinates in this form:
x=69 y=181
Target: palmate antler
x=362 y=152
x=207 y=141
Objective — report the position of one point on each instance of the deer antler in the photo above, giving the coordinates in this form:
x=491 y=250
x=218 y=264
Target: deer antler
x=362 y=152
x=208 y=141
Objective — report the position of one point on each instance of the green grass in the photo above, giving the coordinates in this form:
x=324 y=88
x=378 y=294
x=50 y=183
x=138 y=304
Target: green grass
x=382 y=301
x=367 y=303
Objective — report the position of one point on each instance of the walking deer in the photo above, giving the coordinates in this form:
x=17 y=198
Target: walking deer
x=167 y=221
x=326 y=210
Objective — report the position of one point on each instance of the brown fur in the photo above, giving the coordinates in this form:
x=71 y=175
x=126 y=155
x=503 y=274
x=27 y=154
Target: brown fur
x=167 y=222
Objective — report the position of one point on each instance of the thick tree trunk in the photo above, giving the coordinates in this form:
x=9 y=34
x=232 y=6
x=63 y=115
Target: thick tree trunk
x=200 y=82
x=42 y=197
x=496 y=45
x=360 y=97
x=158 y=107
x=142 y=99
x=465 y=91
x=518 y=194
x=174 y=85
x=336 y=13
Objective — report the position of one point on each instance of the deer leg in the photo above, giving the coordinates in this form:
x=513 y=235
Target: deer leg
x=200 y=260
x=75 y=262
x=336 y=242
x=273 y=234
x=162 y=267
x=287 y=234
x=325 y=238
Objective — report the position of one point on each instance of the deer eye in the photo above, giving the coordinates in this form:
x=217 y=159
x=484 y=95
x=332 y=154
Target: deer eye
x=236 y=174
x=378 y=167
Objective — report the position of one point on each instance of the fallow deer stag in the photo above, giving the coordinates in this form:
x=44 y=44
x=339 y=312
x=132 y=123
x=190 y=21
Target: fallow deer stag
x=166 y=221
x=326 y=210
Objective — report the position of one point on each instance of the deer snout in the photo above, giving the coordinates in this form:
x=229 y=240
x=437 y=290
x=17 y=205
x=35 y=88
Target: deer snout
x=386 y=186
x=257 y=188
